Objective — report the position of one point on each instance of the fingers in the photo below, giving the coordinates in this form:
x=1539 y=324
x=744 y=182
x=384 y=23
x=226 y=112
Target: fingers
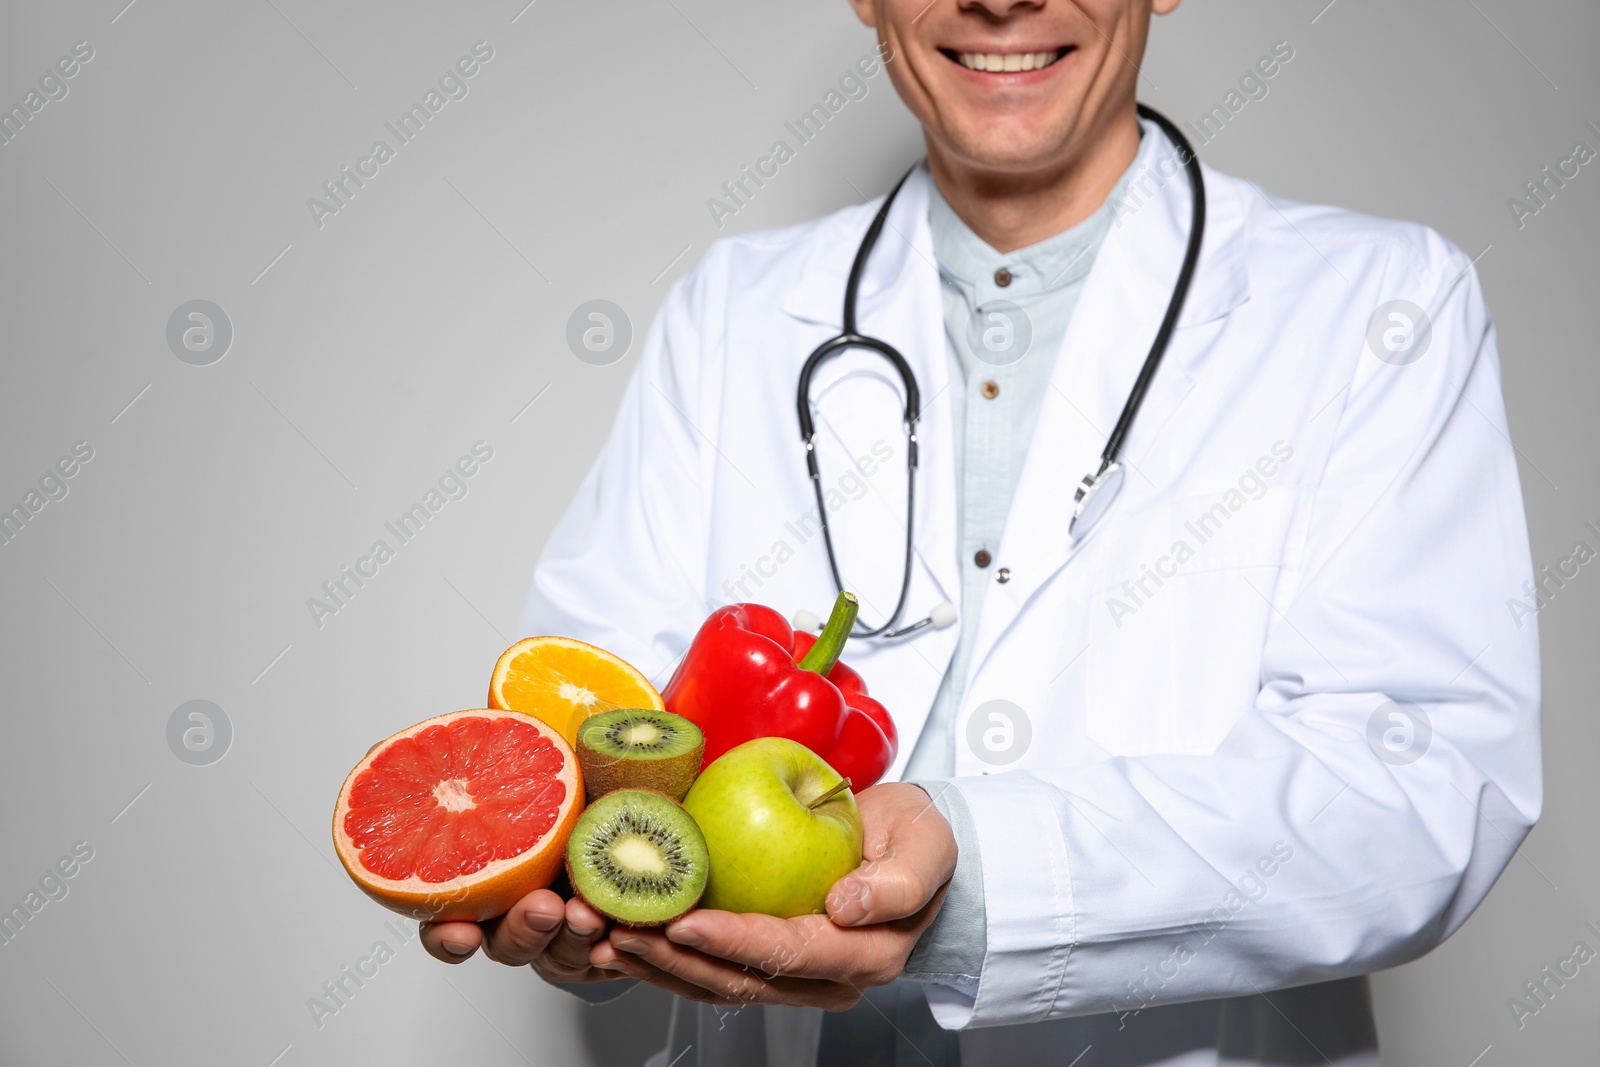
x=541 y=929
x=715 y=980
x=581 y=916
x=627 y=965
x=451 y=942
x=808 y=946
x=910 y=853
x=568 y=951
x=522 y=934
x=516 y=938
x=805 y=947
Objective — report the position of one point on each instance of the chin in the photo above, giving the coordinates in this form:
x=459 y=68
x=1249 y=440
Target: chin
x=999 y=148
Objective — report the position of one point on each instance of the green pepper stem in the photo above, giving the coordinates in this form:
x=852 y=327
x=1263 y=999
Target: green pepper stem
x=830 y=644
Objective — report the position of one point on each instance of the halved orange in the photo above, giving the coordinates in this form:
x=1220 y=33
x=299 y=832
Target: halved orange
x=562 y=682
x=459 y=816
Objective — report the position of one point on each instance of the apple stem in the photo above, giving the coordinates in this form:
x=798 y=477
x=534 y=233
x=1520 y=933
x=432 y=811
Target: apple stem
x=829 y=795
x=830 y=643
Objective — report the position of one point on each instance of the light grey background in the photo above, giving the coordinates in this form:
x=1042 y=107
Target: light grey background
x=370 y=353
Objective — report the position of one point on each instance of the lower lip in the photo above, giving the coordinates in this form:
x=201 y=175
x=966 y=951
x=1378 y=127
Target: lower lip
x=1009 y=78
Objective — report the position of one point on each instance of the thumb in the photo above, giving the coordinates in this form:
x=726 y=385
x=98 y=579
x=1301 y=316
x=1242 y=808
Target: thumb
x=899 y=883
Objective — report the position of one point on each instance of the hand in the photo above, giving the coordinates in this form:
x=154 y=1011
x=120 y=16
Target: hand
x=874 y=916
x=542 y=930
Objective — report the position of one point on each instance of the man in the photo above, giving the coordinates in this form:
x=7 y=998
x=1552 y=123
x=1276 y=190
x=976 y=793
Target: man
x=1260 y=731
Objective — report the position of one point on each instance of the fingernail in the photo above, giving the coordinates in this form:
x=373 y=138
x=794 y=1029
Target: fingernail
x=455 y=948
x=633 y=945
x=850 y=902
x=686 y=937
x=581 y=931
x=613 y=965
x=543 y=923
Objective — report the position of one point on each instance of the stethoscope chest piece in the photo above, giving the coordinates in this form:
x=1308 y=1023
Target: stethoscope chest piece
x=1095 y=494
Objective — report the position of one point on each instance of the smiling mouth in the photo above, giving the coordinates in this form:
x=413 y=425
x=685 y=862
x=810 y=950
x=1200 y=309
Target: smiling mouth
x=1005 y=62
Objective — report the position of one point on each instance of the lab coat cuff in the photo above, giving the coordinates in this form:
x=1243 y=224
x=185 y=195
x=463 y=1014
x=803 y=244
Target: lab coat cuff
x=950 y=950
x=1031 y=920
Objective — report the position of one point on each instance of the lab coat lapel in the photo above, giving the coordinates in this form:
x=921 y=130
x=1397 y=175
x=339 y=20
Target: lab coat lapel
x=899 y=301
x=1117 y=316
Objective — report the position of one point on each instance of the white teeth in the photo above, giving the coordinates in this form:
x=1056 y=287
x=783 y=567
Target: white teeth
x=1014 y=61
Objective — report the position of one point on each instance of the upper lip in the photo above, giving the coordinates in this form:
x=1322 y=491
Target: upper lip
x=1004 y=50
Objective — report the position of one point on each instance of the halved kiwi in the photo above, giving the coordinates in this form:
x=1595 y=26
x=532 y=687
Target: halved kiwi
x=638 y=748
x=638 y=858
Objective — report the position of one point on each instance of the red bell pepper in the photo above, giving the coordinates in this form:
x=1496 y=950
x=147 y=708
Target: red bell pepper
x=748 y=674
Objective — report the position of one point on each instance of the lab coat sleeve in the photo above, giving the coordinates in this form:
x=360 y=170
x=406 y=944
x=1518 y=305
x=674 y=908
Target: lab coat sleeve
x=950 y=950
x=1324 y=837
x=624 y=569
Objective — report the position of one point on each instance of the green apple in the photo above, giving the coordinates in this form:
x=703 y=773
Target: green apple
x=776 y=845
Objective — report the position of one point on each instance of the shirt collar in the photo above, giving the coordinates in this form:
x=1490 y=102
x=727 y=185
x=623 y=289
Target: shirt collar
x=969 y=262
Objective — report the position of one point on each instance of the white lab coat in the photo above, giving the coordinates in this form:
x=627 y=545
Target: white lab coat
x=1223 y=787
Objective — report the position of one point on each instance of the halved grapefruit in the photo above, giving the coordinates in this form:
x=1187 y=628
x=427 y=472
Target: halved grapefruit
x=563 y=681
x=459 y=816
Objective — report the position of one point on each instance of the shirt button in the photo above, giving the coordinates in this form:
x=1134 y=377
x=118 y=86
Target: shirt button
x=1003 y=575
x=991 y=389
x=1002 y=277
x=982 y=557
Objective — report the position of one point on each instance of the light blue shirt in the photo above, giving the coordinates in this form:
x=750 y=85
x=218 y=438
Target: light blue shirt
x=1002 y=341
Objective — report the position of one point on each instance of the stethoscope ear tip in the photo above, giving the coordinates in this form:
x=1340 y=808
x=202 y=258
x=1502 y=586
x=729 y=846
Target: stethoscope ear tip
x=806 y=620
x=942 y=615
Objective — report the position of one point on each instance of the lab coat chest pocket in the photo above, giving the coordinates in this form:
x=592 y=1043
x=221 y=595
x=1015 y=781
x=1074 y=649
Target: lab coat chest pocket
x=1180 y=610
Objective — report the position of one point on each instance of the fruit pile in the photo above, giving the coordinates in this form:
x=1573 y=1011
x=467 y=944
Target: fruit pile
x=733 y=792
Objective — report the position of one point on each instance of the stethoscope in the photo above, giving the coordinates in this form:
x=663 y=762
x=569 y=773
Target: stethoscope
x=1095 y=493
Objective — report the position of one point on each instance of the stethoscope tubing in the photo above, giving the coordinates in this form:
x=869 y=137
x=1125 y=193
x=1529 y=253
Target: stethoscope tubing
x=1180 y=288
x=851 y=337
